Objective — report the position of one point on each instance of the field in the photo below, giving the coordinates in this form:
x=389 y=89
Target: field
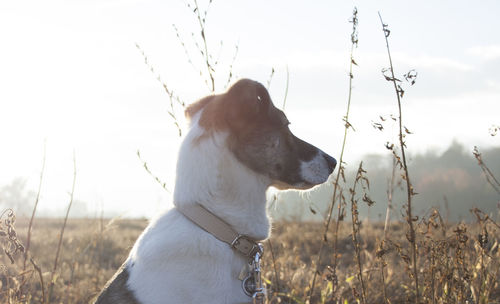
x=452 y=265
x=417 y=258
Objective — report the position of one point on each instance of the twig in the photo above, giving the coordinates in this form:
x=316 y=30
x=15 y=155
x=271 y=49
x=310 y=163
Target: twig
x=355 y=230
x=181 y=41
x=39 y=271
x=277 y=278
x=230 y=76
x=286 y=89
x=201 y=22
x=156 y=178
x=28 y=238
x=354 y=43
x=490 y=178
x=174 y=99
x=380 y=255
x=482 y=241
x=62 y=231
x=409 y=188
x=270 y=78
x=208 y=61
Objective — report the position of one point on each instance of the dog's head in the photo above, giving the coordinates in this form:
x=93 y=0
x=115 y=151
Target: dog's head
x=259 y=136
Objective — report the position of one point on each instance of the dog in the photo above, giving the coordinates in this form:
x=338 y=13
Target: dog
x=237 y=146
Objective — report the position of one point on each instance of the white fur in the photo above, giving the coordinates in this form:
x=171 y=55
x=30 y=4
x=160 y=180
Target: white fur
x=175 y=261
x=316 y=170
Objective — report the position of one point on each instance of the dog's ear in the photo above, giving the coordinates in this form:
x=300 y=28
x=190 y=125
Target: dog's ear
x=246 y=101
x=195 y=107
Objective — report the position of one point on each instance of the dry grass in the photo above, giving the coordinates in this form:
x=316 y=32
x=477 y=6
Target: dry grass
x=456 y=264
x=91 y=253
x=449 y=264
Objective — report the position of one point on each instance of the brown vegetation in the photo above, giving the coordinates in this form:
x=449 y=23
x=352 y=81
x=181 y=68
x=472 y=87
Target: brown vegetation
x=458 y=262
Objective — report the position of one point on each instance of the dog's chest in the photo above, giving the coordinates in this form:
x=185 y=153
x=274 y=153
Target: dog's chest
x=185 y=265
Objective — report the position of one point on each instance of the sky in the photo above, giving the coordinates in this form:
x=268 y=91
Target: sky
x=72 y=79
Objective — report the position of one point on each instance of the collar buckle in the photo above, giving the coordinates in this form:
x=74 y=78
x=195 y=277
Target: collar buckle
x=246 y=246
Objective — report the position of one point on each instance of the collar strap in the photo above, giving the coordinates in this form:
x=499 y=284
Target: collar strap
x=220 y=229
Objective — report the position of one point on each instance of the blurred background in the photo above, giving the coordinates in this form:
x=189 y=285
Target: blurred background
x=85 y=78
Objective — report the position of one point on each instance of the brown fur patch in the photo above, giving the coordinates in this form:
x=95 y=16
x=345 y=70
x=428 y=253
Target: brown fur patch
x=237 y=107
x=195 y=107
x=116 y=290
x=213 y=117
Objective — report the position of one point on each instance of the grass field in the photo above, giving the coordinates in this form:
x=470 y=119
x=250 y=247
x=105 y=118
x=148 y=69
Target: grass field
x=453 y=267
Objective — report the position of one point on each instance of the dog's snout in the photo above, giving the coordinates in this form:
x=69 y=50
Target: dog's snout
x=332 y=162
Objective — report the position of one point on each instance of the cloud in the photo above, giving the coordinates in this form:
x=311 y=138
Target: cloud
x=300 y=60
x=432 y=62
x=489 y=52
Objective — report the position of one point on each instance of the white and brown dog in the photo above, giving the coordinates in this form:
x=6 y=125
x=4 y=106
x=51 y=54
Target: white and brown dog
x=238 y=145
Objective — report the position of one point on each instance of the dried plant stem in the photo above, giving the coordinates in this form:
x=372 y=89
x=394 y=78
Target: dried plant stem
x=286 y=88
x=173 y=99
x=30 y=225
x=62 y=231
x=201 y=22
x=380 y=256
x=433 y=275
x=181 y=41
x=355 y=233
x=390 y=192
x=483 y=277
x=339 y=170
x=156 y=178
x=270 y=78
x=384 y=289
x=409 y=190
x=230 y=73
x=42 y=285
x=490 y=178
x=276 y=276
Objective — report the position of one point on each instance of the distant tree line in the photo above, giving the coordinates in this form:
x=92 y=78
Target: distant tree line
x=452 y=182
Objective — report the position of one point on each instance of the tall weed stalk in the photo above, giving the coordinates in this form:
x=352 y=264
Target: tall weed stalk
x=490 y=178
x=59 y=245
x=411 y=236
x=340 y=170
x=28 y=237
x=356 y=226
x=30 y=225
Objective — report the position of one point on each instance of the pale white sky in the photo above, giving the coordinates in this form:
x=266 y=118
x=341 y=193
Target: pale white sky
x=70 y=73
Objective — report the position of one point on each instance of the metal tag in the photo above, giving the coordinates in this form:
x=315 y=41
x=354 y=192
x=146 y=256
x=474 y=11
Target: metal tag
x=248 y=285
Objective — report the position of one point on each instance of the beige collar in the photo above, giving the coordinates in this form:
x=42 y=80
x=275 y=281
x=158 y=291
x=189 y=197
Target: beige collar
x=220 y=229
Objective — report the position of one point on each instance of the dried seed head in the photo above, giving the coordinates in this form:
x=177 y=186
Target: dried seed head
x=483 y=238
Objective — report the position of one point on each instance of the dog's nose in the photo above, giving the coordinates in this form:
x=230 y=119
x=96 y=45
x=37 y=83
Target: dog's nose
x=332 y=162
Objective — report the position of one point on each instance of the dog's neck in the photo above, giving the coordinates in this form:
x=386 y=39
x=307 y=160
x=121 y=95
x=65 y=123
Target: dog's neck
x=209 y=174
